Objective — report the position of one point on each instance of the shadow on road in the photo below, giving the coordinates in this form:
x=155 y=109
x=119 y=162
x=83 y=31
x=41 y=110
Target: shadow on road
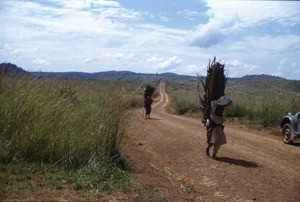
x=237 y=162
x=296 y=144
x=154 y=119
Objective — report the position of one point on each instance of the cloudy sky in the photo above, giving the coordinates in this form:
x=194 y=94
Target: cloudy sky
x=179 y=36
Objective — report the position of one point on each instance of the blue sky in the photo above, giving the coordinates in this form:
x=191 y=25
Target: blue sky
x=179 y=36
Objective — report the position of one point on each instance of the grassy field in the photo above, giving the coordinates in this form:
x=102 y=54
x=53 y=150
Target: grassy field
x=65 y=122
x=260 y=102
x=62 y=136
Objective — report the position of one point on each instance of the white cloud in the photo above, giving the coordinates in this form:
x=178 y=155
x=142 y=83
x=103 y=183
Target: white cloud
x=14 y=52
x=83 y=4
x=238 y=65
x=106 y=3
x=213 y=32
x=123 y=56
x=67 y=32
x=191 y=68
x=125 y=14
x=255 y=12
x=237 y=68
x=17 y=52
x=155 y=59
x=77 y=4
x=119 y=56
x=189 y=14
x=169 y=64
x=231 y=18
x=164 y=19
x=41 y=61
x=6 y=47
x=131 y=55
x=287 y=68
x=90 y=59
x=68 y=21
x=274 y=43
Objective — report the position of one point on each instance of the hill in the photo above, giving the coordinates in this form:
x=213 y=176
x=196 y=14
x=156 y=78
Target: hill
x=8 y=68
x=126 y=75
x=256 y=78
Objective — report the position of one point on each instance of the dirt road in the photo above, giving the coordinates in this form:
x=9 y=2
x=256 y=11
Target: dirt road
x=168 y=152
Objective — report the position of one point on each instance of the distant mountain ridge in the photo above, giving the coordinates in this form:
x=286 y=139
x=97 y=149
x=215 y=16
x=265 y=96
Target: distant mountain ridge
x=260 y=77
x=124 y=75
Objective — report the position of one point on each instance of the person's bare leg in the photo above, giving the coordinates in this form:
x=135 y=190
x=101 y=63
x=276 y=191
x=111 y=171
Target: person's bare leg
x=216 y=149
x=208 y=147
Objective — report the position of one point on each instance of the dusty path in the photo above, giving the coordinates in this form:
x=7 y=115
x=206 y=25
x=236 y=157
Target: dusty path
x=168 y=151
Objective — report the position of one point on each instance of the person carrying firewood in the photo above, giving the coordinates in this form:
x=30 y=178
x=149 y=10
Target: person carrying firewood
x=148 y=100
x=147 y=104
x=213 y=103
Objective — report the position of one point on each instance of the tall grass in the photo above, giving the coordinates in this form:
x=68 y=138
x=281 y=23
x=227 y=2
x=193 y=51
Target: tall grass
x=267 y=111
x=60 y=121
x=263 y=103
x=185 y=102
x=184 y=98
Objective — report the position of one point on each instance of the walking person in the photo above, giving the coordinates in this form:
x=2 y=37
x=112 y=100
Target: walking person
x=148 y=100
x=215 y=129
x=213 y=103
x=147 y=104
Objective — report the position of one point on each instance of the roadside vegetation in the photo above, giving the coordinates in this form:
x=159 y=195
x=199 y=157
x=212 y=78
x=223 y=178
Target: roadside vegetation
x=61 y=138
x=62 y=134
x=260 y=102
x=184 y=98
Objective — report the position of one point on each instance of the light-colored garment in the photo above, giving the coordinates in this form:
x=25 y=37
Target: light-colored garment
x=215 y=129
x=223 y=101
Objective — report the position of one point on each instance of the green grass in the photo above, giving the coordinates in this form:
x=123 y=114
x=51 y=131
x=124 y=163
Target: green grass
x=184 y=98
x=64 y=135
x=262 y=102
x=59 y=121
x=95 y=179
x=185 y=102
x=73 y=125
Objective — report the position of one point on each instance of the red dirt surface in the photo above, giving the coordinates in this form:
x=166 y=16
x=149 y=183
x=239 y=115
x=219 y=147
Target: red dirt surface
x=169 y=151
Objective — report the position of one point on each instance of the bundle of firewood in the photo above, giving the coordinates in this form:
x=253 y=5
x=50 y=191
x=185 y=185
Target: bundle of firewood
x=214 y=86
x=149 y=91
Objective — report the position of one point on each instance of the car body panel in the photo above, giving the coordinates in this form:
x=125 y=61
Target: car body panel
x=294 y=120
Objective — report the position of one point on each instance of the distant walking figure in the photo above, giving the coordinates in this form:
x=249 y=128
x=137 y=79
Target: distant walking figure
x=148 y=100
x=147 y=104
